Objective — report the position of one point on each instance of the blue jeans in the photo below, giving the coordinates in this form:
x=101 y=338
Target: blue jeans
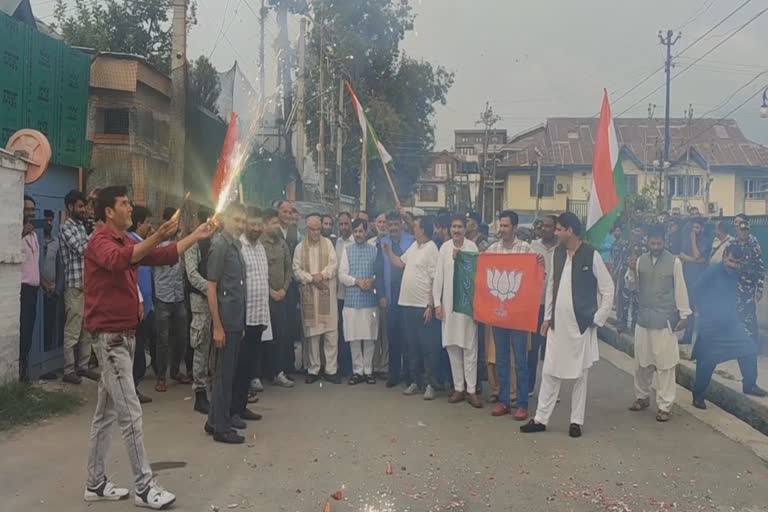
x=518 y=341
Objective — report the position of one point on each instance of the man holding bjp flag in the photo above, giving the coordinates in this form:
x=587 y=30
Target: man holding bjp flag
x=508 y=288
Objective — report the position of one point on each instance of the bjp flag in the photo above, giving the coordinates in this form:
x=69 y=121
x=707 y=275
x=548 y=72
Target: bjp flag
x=508 y=289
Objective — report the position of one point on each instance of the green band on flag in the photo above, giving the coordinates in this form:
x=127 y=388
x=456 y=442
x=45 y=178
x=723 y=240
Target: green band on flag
x=465 y=269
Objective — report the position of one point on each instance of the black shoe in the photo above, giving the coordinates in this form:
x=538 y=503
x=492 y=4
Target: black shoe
x=574 y=430
x=370 y=379
x=334 y=379
x=249 y=415
x=202 y=405
x=209 y=429
x=229 y=438
x=392 y=384
x=755 y=391
x=311 y=379
x=356 y=379
x=532 y=427
x=699 y=403
x=238 y=422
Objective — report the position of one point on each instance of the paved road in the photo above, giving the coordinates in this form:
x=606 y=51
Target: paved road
x=316 y=440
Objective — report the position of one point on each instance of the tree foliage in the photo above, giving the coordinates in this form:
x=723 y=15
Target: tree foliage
x=204 y=84
x=138 y=27
x=362 y=41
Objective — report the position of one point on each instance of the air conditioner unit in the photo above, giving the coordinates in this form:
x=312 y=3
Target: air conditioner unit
x=562 y=188
x=712 y=208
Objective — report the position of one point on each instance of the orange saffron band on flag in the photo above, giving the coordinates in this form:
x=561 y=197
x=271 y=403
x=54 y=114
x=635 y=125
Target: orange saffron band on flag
x=602 y=166
x=508 y=289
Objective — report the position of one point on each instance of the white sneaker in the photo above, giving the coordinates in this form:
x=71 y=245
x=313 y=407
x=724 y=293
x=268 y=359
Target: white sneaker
x=257 y=386
x=411 y=390
x=283 y=381
x=429 y=394
x=154 y=497
x=105 y=492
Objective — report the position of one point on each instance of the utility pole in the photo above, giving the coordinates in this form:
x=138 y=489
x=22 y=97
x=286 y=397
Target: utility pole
x=321 y=137
x=339 y=144
x=174 y=190
x=539 y=188
x=487 y=119
x=669 y=41
x=262 y=72
x=301 y=116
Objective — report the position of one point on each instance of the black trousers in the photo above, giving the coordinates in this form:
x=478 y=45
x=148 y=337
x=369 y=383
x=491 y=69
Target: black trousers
x=279 y=354
x=706 y=367
x=423 y=341
x=398 y=354
x=248 y=363
x=144 y=335
x=28 y=314
x=345 y=353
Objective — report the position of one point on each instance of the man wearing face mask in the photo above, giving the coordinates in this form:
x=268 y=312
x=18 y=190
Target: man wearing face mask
x=751 y=278
x=657 y=276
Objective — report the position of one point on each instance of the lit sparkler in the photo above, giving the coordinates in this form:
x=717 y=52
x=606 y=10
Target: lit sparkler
x=240 y=156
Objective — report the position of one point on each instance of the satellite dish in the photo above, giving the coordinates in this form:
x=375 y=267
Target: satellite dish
x=34 y=149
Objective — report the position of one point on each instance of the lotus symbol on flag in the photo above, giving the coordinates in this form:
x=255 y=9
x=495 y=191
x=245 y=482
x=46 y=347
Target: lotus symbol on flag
x=504 y=285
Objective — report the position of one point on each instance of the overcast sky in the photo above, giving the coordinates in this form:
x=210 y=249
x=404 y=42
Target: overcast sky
x=534 y=59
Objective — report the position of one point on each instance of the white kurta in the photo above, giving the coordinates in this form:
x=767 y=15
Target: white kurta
x=459 y=330
x=659 y=347
x=359 y=323
x=569 y=352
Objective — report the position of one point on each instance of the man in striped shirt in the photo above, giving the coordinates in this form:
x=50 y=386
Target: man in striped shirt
x=256 y=316
x=73 y=242
x=506 y=339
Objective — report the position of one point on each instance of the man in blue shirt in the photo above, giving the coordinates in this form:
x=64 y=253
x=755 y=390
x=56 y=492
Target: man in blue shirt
x=389 y=278
x=722 y=335
x=141 y=229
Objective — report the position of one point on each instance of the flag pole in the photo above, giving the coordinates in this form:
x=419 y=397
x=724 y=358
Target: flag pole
x=391 y=183
x=364 y=173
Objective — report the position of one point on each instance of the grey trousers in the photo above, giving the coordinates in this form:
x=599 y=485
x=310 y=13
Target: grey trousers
x=117 y=401
x=171 y=323
x=224 y=364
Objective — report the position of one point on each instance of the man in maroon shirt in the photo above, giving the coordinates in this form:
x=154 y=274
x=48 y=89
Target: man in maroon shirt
x=112 y=315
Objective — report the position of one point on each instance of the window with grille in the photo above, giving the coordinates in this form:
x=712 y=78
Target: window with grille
x=116 y=121
x=684 y=186
x=755 y=188
x=547 y=186
x=428 y=193
x=630 y=182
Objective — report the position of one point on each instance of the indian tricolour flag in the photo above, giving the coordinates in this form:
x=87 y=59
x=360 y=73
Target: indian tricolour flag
x=370 y=140
x=606 y=200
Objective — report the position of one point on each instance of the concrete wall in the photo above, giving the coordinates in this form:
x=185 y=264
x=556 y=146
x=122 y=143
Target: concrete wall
x=11 y=197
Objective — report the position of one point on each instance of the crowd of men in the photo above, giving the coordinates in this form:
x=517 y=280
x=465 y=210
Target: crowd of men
x=246 y=298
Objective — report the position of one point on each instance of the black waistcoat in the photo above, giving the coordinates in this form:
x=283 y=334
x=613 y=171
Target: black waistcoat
x=583 y=284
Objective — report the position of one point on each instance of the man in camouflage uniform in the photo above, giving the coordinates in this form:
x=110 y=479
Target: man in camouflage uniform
x=618 y=266
x=195 y=265
x=751 y=278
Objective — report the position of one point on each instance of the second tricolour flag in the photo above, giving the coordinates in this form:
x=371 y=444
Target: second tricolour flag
x=369 y=135
x=606 y=199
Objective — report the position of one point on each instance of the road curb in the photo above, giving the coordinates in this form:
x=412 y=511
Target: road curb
x=725 y=393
